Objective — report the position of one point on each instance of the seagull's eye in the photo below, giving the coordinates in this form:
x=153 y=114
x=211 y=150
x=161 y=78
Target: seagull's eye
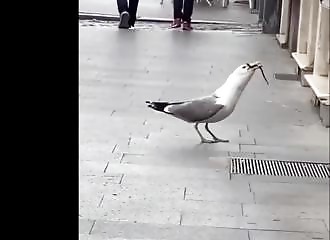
x=244 y=67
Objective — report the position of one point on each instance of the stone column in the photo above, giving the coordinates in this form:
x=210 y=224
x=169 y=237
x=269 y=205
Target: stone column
x=321 y=61
x=303 y=26
x=284 y=25
x=314 y=10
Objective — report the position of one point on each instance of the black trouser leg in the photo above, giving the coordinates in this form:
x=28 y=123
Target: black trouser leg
x=187 y=10
x=132 y=9
x=177 y=7
x=122 y=6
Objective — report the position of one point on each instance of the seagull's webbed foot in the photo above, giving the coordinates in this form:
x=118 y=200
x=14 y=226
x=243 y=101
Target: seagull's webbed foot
x=217 y=140
x=204 y=140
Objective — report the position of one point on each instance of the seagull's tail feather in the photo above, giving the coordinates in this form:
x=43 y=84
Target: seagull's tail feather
x=158 y=106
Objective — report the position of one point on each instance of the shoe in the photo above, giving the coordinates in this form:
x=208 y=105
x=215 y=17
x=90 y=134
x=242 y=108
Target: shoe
x=187 y=26
x=176 y=23
x=124 y=18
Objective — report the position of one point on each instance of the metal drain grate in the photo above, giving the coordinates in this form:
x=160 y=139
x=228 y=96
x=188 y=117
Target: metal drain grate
x=250 y=166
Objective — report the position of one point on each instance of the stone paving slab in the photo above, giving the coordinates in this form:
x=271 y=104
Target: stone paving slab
x=261 y=223
x=231 y=134
x=285 y=211
x=168 y=172
x=166 y=232
x=186 y=150
x=92 y=167
x=229 y=192
x=138 y=212
x=161 y=212
x=144 y=190
x=90 y=209
x=292 y=136
x=275 y=235
x=302 y=153
x=89 y=153
x=291 y=194
x=182 y=159
x=85 y=225
x=253 y=234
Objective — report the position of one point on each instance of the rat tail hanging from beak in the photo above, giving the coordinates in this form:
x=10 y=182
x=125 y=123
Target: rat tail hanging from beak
x=263 y=74
x=258 y=65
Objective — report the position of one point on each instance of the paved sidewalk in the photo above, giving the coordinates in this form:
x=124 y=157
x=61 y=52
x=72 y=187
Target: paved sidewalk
x=144 y=175
x=153 y=9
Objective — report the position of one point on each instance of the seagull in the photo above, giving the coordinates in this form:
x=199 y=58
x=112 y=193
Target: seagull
x=212 y=108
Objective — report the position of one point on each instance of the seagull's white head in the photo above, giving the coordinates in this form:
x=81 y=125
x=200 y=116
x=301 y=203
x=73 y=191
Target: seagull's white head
x=247 y=70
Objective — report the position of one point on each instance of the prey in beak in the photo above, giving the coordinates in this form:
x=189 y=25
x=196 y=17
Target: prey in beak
x=255 y=66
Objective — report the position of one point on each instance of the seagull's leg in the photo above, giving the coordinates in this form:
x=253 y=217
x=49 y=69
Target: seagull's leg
x=203 y=140
x=214 y=137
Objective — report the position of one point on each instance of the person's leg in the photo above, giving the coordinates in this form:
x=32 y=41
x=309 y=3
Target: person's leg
x=124 y=15
x=122 y=6
x=177 y=7
x=177 y=13
x=187 y=12
x=132 y=9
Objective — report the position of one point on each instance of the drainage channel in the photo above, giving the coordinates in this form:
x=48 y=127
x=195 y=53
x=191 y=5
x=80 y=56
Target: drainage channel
x=251 y=166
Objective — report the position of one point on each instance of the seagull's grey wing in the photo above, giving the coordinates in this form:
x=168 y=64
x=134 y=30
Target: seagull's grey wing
x=195 y=110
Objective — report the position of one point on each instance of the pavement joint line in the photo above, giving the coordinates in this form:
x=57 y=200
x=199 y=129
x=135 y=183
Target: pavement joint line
x=249 y=144
x=90 y=231
x=242 y=211
x=121 y=179
x=106 y=167
x=184 y=193
x=99 y=205
x=122 y=157
x=254 y=198
x=114 y=148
